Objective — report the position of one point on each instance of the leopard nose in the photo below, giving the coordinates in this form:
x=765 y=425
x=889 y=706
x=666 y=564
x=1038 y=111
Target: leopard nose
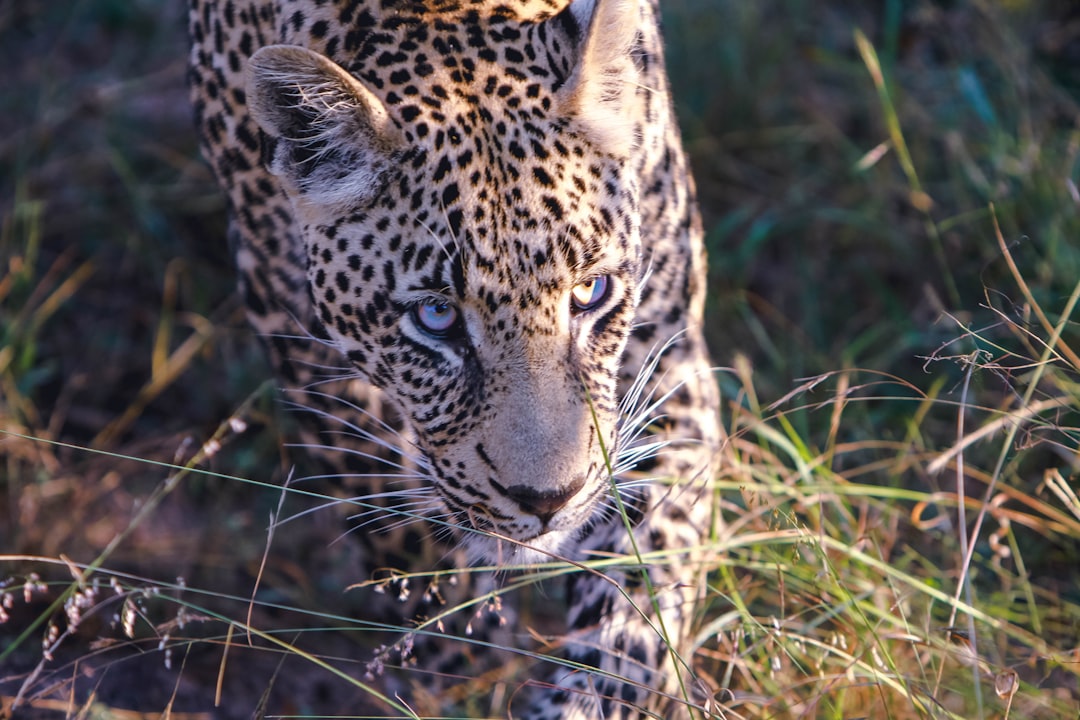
x=544 y=503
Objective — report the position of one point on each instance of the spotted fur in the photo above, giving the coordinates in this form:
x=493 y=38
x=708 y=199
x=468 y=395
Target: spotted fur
x=479 y=212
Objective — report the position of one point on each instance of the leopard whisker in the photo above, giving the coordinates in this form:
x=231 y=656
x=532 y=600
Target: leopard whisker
x=406 y=512
x=413 y=492
x=304 y=334
x=438 y=239
x=366 y=414
x=407 y=520
x=363 y=434
x=630 y=411
x=634 y=455
x=353 y=452
x=425 y=494
x=342 y=372
x=392 y=478
x=413 y=505
x=305 y=512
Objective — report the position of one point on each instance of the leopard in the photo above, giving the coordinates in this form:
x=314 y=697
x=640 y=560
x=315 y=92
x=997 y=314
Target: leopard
x=468 y=236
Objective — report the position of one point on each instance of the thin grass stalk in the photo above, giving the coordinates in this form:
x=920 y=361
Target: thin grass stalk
x=919 y=198
x=676 y=660
x=1010 y=434
x=965 y=579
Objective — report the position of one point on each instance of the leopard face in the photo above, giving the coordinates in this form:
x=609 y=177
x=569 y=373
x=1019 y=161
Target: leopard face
x=473 y=246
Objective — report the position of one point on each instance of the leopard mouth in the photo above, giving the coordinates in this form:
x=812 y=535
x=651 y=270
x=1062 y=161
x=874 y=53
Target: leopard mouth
x=492 y=536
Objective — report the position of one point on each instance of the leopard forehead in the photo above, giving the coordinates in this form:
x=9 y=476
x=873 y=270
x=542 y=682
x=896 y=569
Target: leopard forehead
x=443 y=67
x=456 y=226
x=498 y=197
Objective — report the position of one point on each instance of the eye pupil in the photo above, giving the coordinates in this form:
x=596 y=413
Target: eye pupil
x=590 y=294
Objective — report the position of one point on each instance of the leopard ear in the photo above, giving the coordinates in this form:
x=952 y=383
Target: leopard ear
x=332 y=141
x=600 y=91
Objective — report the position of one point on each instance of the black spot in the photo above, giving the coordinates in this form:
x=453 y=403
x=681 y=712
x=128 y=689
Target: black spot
x=591 y=658
x=554 y=207
x=454 y=217
x=246 y=138
x=441 y=169
x=388 y=58
x=539 y=150
x=543 y=178
x=252 y=299
x=644 y=332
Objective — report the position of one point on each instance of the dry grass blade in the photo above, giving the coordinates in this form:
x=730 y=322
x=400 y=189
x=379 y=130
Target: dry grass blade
x=169 y=371
x=1053 y=332
x=1011 y=420
x=1064 y=492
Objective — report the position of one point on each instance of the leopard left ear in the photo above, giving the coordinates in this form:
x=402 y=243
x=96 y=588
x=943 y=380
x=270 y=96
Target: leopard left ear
x=334 y=141
x=600 y=91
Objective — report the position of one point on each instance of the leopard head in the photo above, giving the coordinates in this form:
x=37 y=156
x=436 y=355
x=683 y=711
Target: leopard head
x=462 y=187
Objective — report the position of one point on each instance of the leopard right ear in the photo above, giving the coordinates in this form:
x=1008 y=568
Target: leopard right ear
x=333 y=141
x=600 y=91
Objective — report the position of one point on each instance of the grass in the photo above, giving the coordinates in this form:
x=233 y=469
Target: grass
x=890 y=194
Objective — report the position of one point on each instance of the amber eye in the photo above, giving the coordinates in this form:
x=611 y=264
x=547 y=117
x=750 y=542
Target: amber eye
x=589 y=294
x=437 y=317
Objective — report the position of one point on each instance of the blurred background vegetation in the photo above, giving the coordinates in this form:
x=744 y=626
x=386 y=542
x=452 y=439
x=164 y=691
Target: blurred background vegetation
x=851 y=161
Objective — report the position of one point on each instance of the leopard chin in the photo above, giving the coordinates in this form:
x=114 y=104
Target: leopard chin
x=510 y=553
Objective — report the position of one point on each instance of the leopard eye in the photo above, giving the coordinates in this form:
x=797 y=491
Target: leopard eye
x=437 y=317
x=589 y=294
